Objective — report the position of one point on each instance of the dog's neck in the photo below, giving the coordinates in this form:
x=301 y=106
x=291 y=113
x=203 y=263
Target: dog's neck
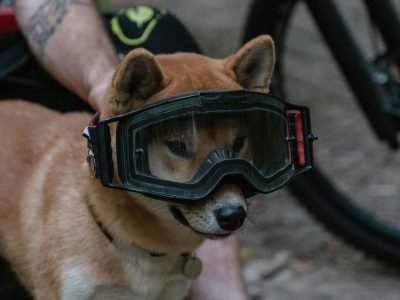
x=188 y=263
x=110 y=238
x=127 y=221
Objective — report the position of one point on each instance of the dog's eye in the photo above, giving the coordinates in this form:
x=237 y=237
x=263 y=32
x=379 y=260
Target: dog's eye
x=238 y=143
x=178 y=148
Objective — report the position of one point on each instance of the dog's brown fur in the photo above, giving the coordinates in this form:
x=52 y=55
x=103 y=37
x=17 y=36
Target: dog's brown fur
x=46 y=229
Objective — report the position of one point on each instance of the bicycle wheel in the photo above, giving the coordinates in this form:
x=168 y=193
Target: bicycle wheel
x=354 y=187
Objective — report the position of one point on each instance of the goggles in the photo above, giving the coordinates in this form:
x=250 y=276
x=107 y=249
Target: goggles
x=182 y=148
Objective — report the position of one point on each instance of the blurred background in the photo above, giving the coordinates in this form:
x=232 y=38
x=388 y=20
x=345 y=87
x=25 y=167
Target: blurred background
x=286 y=254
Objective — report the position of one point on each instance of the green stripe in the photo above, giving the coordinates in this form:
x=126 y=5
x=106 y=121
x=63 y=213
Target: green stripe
x=117 y=30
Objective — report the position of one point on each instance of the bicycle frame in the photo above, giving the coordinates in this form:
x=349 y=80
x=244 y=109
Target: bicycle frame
x=385 y=17
x=357 y=71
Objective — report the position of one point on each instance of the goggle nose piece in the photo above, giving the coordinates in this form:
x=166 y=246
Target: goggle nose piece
x=223 y=154
x=216 y=156
x=220 y=154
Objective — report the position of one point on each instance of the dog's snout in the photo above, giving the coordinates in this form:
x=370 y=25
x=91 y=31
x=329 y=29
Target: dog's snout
x=230 y=217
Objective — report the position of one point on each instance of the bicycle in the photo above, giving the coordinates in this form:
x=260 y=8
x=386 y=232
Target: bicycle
x=376 y=86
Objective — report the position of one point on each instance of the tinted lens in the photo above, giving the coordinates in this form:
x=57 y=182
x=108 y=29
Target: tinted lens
x=182 y=149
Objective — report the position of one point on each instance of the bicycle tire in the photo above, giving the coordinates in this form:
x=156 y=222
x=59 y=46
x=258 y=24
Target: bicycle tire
x=315 y=190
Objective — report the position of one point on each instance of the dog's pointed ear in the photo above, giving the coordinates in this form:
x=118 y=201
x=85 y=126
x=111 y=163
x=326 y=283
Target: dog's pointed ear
x=136 y=79
x=253 y=64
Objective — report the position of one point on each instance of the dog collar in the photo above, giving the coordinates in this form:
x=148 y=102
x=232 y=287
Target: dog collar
x=108 y=235
x=191 y=266
x=99 y=224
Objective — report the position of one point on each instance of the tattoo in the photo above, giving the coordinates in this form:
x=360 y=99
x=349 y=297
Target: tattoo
x=42 y=25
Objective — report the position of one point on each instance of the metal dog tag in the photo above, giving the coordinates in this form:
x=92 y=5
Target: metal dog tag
x=192 y=267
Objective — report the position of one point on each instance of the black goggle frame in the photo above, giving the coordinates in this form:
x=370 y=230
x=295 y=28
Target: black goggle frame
x=100 y=154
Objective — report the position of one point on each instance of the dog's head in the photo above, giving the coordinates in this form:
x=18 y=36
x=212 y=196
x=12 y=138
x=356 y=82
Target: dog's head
x=144 y=78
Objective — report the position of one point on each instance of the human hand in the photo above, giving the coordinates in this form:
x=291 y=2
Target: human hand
x=98 y=91
x=221 y=277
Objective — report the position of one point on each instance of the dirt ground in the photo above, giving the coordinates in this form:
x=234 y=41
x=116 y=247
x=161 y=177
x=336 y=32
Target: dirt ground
x=287 y=255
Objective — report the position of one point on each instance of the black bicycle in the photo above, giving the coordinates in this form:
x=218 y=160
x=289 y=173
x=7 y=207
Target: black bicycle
x=370 y=217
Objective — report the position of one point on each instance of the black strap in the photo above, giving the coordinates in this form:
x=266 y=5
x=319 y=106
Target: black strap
x=105 y=232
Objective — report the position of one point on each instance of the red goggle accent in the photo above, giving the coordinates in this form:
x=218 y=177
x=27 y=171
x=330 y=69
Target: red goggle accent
x=300 y=144
x=8 y=22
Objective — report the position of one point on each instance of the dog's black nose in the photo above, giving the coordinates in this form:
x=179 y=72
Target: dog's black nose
x=230 y=217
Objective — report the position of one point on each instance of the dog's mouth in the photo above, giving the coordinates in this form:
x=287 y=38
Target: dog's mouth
x=180 y=217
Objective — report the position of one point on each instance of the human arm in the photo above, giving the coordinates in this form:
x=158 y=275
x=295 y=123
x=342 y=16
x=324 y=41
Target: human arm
x=221 y=277
x=68 y=38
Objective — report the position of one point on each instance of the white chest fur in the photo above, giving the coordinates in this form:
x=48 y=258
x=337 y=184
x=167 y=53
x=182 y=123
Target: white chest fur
x=153 y=276
x=77 y=281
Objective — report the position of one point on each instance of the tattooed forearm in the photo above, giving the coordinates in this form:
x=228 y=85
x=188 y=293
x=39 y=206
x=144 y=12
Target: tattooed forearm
x=42 y=25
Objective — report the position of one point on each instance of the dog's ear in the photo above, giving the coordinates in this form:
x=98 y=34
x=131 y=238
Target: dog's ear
x=136 y=79
x=253 y=64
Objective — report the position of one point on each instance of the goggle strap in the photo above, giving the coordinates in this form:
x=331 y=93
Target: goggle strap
x=90 y=133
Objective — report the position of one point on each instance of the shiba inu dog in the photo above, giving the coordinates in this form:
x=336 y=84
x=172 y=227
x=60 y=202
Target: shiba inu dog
x=69 y=237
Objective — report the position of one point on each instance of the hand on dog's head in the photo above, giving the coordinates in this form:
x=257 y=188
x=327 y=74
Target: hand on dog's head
x=142 y=76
